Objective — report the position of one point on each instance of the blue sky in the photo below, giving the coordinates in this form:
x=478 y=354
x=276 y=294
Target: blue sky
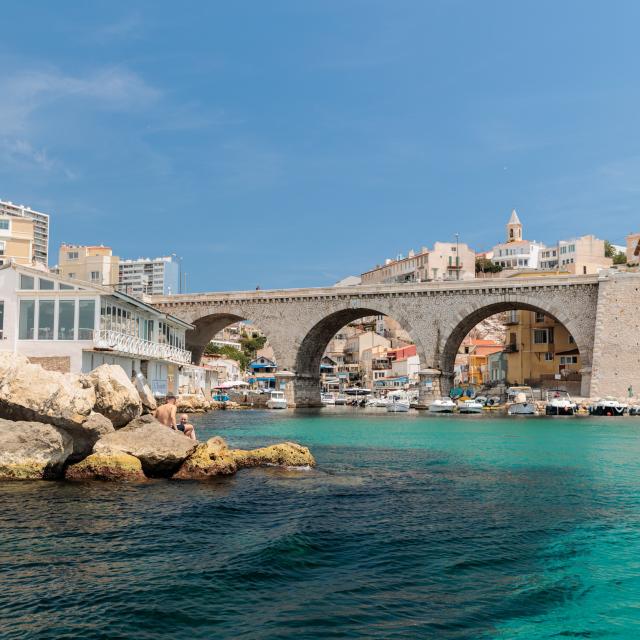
x=291 y=143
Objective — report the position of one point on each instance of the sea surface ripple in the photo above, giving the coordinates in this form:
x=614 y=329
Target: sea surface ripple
x=410 y=527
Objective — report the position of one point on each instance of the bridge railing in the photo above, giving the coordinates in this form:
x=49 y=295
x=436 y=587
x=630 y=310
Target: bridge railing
x=109 y=340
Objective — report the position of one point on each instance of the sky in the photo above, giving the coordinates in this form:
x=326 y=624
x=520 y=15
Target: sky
x=292 y=143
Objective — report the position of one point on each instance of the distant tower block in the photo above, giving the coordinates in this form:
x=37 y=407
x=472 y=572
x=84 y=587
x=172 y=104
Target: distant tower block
x=514 y=228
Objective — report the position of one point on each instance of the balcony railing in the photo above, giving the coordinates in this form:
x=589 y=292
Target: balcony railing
x=109 y=340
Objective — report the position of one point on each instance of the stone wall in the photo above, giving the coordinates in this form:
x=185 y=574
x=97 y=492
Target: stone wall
x=62 y=364
x=616 y=350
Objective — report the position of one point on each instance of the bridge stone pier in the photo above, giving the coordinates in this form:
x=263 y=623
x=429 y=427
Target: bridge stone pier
x=600 y=312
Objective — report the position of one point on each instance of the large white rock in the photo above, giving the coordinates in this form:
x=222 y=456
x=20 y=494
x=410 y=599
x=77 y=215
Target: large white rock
x=144 y=391
x=160 y=449
x=32 y=450
x=29 y=392
x=116 y=397
x=87 y=434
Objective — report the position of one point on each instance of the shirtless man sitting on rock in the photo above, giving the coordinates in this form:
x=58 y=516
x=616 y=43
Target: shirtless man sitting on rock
x=186 y=427
x=166 y=413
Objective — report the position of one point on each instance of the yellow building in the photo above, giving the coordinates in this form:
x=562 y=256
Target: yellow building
x=95 y=264
x=540 y=351
x=16 y=240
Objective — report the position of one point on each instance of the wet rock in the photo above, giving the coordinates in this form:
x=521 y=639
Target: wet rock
x=100 y=466
x=116 y=397
x=29 y=392
x=87 y=434
x=285 y=454
x=160 y=449
x=207 y=462
x=32 y=450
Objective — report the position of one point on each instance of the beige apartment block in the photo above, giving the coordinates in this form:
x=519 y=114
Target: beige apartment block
x=633 y=248
x=16 y=240
x=580 y=256
x=95 y=264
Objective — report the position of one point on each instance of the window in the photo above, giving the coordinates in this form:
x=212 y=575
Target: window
x=26 y=282
x=72 y=275
x=66 y=319
x=46 y=309
x=571 y=340
x=95 y=276
x=65 y=287
x=45 y=285
x=543 y=336
x=539 y=316
x=86 y=319
x=27 y=319
x=548 y=357
x=568 y=360
x=4 y=224
x=72 y=255
x=2 y=247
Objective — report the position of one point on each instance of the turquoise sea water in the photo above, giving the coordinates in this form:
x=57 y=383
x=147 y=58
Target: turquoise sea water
x=411 y=527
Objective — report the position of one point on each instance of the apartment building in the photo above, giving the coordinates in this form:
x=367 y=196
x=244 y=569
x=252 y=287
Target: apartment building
x=150 y=276
x=93 y=263
x=584 y=255
x=40 y=245
x=16 y=240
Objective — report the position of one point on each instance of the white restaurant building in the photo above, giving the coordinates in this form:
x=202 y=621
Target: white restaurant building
x=73 y=326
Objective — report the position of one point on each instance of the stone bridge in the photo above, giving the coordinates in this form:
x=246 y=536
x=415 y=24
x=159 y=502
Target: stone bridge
x=600 y=312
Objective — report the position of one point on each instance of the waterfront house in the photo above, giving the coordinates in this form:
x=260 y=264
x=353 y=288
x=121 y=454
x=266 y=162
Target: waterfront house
x=262 y=373
x=73 y=326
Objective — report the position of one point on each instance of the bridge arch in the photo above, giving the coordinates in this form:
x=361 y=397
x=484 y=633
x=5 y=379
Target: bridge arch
x=315 y=341
x=463 y=322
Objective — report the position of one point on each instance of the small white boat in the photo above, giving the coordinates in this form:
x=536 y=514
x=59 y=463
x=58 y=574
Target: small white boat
x=470 y=406
x=377 y=402
x=340 y=399
x=443 y=405
x=277 y=400
x=634 y=410
x=559 y=403
x=520 y=402
x=398 y=403
x=607 y=407
x=328 y=398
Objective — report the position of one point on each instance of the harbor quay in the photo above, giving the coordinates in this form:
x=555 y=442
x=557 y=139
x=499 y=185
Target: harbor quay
x=599 y=311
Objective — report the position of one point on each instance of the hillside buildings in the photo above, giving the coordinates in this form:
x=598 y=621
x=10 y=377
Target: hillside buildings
x=16 y=240
x=585 y=255
x=150 y=276
x=40 y=243
x=93 y=263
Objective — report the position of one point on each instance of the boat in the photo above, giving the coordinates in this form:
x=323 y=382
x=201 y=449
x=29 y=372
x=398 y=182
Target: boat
x=520 y=401
x=277 y=400
x=560 y=403
x=398 y=403
x=377 y=402
x=607 y=407
x=634 y=410
x=328 y=398
x=443 y=405
x=470 y=406
x=340 y=399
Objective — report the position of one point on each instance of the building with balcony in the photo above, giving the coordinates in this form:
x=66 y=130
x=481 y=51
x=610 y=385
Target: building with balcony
x=262 y=373
x=446 y=261
x=584 y=255
x=72 y=326
x=16 y=240
x=94 y=263
x=515 y=252
x=149 y=276
x=40 y=245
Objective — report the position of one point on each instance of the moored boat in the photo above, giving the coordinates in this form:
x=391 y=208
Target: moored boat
x=520 y=402
x=560 y=403
x=470 y=406
x=328 y=399
x=398 y=403
x=277 y=400
x=442 y=405
x=607 y=407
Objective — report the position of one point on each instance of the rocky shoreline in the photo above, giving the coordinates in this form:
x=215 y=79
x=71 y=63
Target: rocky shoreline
x=98 y=426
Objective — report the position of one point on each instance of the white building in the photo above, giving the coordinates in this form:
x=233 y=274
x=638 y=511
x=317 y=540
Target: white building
x=40 y=227
x=517 y=253
x=151 y=276
x=71 y=326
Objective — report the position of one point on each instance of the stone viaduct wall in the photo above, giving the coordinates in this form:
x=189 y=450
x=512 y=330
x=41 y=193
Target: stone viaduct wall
x=300 y=322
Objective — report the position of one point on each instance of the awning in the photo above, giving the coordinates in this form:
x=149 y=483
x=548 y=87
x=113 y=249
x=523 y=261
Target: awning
x=230 y=384
x=572 y=352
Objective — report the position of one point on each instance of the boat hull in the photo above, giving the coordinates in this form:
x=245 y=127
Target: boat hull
x=559 y=411
x=522 y=409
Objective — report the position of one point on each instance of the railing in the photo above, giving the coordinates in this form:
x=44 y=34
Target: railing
x=116 y=341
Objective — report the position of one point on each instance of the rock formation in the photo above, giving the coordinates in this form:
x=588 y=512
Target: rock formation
x=160 y=449
x=194 y=403
x=286 y=454
x=101 y=466
x=32 y=450
x=29 y=392
x=87 y=434
x=116 y=397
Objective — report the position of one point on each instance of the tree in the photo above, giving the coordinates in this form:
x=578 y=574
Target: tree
x=609 y=250
x=227 y=351
x=484 y=265
x=620 y=258
x=252 y=344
